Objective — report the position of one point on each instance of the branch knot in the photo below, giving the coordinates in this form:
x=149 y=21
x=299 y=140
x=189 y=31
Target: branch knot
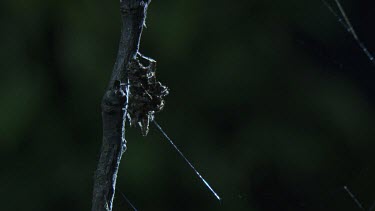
x=114 y=99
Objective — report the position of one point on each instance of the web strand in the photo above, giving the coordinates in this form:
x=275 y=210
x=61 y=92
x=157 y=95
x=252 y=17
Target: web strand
x=187 y=161
x=354 y=198
x=127 y=200
x=372 y=206
x=334 y=13
x=125 y=109
x=344 y=20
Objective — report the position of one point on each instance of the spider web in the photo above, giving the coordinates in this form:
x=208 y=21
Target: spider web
x=339 y=13
x=343 y=19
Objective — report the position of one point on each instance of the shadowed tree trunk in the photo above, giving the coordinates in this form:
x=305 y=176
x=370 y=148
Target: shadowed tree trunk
x=114 y=105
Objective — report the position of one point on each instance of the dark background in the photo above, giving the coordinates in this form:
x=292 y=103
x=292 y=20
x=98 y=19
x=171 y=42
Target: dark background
x=273 y=101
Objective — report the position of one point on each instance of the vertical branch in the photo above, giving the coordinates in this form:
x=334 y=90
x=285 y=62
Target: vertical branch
x=133 y=14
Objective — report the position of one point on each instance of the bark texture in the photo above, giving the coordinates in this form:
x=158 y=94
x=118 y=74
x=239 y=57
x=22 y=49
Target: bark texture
x=114 y=105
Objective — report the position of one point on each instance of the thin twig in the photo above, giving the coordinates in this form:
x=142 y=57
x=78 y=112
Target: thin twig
x=115 y=100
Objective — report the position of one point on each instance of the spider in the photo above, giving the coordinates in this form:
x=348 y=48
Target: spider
x=146 y=96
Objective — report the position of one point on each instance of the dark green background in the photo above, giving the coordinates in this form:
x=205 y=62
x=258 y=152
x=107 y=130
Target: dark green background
x=272 y=101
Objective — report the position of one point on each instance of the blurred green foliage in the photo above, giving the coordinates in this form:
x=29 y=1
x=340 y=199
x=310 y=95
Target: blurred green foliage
x=271 y=100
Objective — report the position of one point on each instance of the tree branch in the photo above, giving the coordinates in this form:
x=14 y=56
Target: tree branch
x=133 y=14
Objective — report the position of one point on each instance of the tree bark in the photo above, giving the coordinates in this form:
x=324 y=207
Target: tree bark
x=114 y=105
